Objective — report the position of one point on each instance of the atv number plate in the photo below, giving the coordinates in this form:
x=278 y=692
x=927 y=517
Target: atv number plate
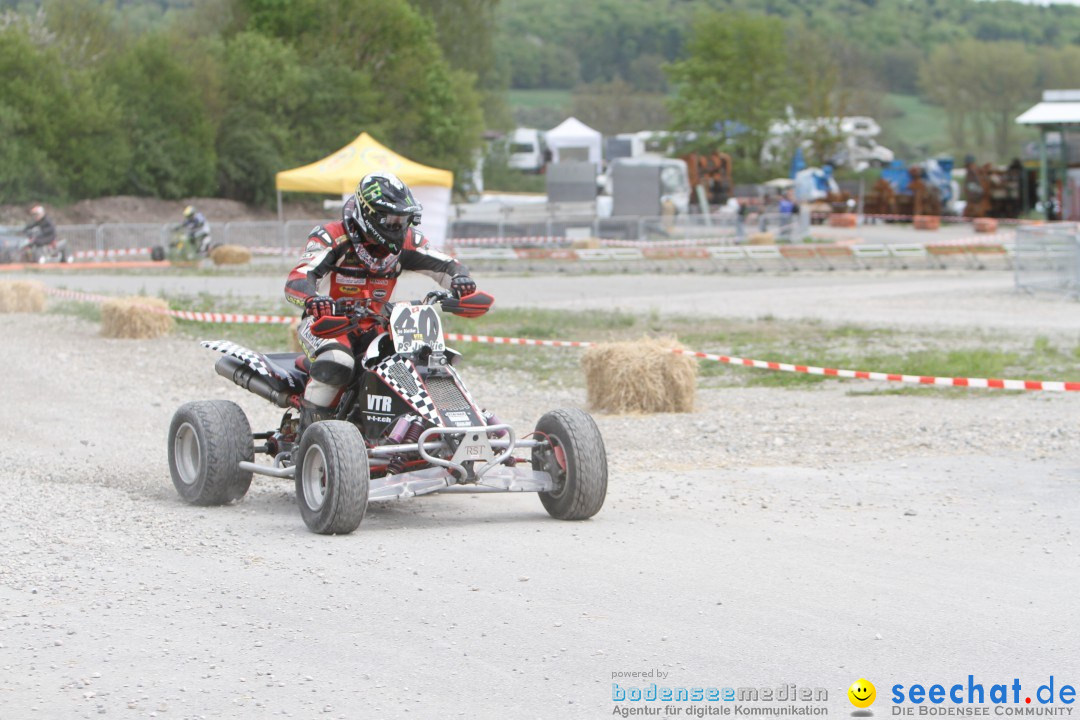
x=414 y=326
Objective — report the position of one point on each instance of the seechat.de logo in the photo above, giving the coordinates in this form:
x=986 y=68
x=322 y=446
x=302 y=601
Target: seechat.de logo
x=862 y=693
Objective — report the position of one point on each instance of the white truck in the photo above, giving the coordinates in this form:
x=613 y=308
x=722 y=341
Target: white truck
x=526 y=150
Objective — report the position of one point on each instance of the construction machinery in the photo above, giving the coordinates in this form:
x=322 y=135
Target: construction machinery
x=713 y=172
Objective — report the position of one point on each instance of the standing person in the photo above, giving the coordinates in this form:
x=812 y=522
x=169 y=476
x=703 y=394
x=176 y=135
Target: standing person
x=359 y=258
x=787 y=208
x=740 y=220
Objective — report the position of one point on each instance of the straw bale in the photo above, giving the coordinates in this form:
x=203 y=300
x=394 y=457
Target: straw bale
x=927 y=222
x=21 y=297
x=134 y=317
x=230 y=255
x=762 y=238
x=643 y=376
x=294 y=339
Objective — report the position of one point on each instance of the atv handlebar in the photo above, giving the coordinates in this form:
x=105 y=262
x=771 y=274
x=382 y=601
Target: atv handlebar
x=348 y=311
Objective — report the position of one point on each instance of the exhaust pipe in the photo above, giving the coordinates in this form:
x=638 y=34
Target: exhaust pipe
x=245 y=377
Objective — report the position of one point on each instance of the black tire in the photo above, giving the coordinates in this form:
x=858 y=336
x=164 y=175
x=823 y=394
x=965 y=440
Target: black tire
x=581 y=473
x=332 y=477
x=207 y=441
x=157 y=253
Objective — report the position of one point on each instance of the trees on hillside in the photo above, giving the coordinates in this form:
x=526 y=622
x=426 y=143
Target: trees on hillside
x=225 y=95
x=982 y=86
x=734 y=81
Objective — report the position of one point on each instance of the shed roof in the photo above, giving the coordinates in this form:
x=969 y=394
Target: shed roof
x=1058 y=107
x=1051 y=113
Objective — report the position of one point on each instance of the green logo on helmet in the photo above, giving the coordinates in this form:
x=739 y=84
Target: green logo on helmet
x=372 y=192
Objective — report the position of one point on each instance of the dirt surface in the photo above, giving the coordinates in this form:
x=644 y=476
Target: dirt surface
x=771 y=537
x=132 y=209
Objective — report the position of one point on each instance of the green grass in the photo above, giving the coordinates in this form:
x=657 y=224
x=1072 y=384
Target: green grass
x=853 y=347
x=538 y=98
x=919 y=127
x=265 y=338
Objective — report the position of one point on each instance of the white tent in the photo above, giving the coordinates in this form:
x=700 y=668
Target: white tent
x=574 y=141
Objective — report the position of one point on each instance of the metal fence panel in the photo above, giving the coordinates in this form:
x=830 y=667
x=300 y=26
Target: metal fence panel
x=570 y=226
x=1047 y=258
x=296 y=234
x=122 y=236
x=249 y=234
x=80 y=238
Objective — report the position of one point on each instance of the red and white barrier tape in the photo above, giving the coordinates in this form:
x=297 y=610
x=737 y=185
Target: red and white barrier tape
x=209 y=317
x=910 y=218
x=124 y=252
x=511 y=241
x=986 y=383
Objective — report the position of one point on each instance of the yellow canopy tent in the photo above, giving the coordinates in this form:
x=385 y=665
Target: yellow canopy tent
x=339 y=173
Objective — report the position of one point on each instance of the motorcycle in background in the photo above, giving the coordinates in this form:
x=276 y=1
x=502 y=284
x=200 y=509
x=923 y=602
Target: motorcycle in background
x=54 y=252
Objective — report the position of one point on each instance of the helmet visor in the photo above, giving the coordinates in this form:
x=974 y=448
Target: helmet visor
x=395 y=224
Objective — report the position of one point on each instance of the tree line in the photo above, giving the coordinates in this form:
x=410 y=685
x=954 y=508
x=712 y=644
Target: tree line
x=216 y=98
x=730 y=67
x=744 y=71
x=567 y=43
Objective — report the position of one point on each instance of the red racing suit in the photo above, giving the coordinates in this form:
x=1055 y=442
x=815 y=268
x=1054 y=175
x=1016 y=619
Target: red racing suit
x=331 y=266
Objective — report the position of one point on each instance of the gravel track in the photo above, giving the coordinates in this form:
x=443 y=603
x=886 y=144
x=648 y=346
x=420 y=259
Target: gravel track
x=773 y=536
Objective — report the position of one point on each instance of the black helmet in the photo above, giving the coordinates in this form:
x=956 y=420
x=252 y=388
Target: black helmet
x=379 y=214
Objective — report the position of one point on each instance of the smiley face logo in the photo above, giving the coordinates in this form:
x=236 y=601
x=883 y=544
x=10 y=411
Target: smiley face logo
x=862 y=693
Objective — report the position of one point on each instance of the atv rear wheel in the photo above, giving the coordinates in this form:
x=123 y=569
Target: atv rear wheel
x=207 y=441
x=577 y=462
x=332 y=477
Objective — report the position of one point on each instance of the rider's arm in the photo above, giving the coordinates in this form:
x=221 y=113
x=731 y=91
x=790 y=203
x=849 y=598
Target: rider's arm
x=318 y=259
x=418 y=257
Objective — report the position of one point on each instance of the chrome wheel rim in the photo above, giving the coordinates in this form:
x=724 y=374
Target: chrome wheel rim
x=188 y=453
x=314 y=470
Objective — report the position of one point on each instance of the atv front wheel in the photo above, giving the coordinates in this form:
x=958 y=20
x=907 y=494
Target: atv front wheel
x=577 y=462
x=207 y=441
x=332 y=477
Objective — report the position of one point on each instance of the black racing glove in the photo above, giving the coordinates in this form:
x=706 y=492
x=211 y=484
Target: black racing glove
x=318 y=306
x=462 y=285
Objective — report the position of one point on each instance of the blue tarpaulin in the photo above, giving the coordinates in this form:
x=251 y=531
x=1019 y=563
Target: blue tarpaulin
x=798 y=162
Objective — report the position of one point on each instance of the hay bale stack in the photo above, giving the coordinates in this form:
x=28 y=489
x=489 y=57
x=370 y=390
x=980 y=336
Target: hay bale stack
x=643 y=376
x=986 y=225
x=294 y=339
x=21 y=297
x=927 y=222
x=135 y=317
x=762 y=238
x=843 y=220
x=230 y=255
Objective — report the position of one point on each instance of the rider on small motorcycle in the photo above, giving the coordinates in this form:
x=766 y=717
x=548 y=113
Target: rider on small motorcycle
x=198 y=229
x=41 y=231
x=360 y=258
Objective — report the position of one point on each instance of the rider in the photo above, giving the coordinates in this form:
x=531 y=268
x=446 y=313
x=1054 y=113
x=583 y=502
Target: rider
x=198 y=229
x=42 y=228
x=360 y=258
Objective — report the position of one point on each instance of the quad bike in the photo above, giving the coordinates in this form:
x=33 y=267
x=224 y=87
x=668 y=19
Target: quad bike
x=54 y=252
x=182 y=247
x=405 y=426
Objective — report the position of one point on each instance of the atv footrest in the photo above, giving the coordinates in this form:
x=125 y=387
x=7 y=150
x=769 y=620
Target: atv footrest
x=433 y=480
